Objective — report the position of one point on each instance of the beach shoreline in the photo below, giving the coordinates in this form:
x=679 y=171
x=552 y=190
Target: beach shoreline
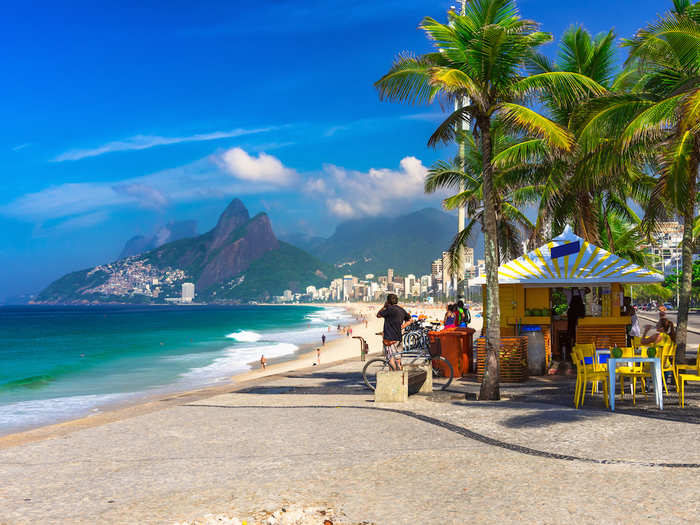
x=336 y=349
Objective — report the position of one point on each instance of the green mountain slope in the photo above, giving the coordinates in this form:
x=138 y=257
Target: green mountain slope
x=287 y=268
x=408 y=243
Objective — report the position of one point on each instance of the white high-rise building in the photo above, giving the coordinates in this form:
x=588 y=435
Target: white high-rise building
x=666 y=246
x=187 y=292
x=426 y=283
x=348 y=282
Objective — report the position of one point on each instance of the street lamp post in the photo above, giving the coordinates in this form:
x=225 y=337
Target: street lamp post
x=678 y=292
x=460 y=103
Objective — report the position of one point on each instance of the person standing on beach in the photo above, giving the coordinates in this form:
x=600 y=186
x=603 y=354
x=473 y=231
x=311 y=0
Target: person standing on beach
x=323 y=339
x=395 y=320
x=263 y=362
x=318 y=356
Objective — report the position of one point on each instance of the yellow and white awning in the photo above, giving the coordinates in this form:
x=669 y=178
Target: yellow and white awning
x=569 y=260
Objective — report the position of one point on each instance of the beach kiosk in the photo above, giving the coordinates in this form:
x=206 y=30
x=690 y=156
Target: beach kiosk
x=536 y=290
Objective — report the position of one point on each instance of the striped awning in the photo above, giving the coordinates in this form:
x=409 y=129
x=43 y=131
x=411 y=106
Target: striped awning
x=569 y=260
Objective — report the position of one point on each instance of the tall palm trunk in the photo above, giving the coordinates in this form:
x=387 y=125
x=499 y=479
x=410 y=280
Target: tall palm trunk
x=587 y=224
x=688 y=246
x=490 y=385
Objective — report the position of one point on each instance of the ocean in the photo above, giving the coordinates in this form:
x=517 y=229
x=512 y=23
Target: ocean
x=64 y=362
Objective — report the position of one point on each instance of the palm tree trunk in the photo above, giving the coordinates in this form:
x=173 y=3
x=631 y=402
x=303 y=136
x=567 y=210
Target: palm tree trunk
x=687 y=248
x=490 y=385
x=608 y=230
x=587 y=225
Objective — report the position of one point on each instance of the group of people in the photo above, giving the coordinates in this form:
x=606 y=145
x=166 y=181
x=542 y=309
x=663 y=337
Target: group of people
x=457 y=314
x=665 y=331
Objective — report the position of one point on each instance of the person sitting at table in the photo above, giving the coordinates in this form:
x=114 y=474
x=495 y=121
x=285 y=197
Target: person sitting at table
x=665 y=333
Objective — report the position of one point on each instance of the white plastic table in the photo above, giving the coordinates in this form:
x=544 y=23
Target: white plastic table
x=656 y=376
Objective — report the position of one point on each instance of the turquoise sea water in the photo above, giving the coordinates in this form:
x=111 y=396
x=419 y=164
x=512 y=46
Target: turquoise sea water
x=62 y=362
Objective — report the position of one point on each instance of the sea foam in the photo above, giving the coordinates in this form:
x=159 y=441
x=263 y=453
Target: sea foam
x=234 y=361
x=245 y=336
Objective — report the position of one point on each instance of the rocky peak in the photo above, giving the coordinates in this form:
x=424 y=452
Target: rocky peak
x=234 y=216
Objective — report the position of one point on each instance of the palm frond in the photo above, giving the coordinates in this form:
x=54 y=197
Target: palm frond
x=521 y=118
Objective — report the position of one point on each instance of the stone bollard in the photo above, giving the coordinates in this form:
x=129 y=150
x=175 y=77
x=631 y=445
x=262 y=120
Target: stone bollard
x=392 y=386
x=427 y=387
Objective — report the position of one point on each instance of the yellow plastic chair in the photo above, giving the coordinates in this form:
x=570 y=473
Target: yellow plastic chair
x=693 y=375
x=668 y=363
x=634 y=372
x=587 y=372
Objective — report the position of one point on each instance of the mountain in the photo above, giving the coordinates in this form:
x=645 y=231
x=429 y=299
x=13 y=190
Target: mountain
x=173 y=231
x=240 y=259
x=302 y=240
x=408 y=243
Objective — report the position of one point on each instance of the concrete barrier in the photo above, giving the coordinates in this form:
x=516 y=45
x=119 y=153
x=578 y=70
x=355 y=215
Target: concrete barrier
x=427 y=386
x=393 y=386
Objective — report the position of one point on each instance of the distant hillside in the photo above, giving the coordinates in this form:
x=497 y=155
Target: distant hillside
x=304 y=241
x=408 y=243
x=240 y=259
x=173 y=231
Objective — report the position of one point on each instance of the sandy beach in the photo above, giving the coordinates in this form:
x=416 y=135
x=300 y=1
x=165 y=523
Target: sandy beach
x=336 y=350
x=312 y=439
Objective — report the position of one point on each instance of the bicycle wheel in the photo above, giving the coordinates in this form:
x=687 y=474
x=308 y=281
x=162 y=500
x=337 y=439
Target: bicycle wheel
x=410 y=341
x=442 y=373
x=369 y=372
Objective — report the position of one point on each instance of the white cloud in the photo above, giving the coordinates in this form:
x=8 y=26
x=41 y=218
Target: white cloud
x=139 y=142
x=434 y=116
x=71 y=224
x=262 y=169
x=207 y=178
x=351 y=193
x=147 y=195
x=340 y=208
x=20 y=147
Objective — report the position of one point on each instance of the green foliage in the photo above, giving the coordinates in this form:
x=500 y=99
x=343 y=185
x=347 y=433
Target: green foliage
x=652 y=292
x=72 y=285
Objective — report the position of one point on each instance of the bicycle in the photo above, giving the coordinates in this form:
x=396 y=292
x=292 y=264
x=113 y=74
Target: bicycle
x=419 y=354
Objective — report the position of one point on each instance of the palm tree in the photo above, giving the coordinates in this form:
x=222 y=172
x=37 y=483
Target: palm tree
x=464 y=176
x=480 y=56
x=662 y=114
x=588 y=184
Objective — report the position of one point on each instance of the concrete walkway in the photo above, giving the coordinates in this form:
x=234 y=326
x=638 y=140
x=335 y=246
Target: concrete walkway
x=316 y=438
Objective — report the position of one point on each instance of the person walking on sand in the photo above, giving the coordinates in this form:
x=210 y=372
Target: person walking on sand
x=263 y=362
x=318 y=356
x=395 y=320
x=323 y=339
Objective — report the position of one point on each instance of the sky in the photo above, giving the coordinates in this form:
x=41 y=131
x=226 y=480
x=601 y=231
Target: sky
x=119 y=117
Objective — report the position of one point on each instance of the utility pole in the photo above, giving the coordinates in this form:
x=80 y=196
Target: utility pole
x=463 y=128
x=678 y=292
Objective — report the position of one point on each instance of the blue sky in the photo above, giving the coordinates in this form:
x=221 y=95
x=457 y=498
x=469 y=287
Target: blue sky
x=119 y=116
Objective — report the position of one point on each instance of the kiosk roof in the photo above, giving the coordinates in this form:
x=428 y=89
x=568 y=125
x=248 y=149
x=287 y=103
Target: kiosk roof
x=569 y=260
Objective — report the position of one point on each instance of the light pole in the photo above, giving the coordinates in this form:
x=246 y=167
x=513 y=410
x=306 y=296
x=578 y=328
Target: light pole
x=678 y=291
x=463 y=128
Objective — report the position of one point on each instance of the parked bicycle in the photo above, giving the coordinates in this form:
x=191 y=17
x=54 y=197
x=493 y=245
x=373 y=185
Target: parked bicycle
x=416 y=351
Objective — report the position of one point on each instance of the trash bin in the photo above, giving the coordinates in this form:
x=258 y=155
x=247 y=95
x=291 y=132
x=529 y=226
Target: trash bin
x=467 y=348
x=536 y=353
x=456 y=347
